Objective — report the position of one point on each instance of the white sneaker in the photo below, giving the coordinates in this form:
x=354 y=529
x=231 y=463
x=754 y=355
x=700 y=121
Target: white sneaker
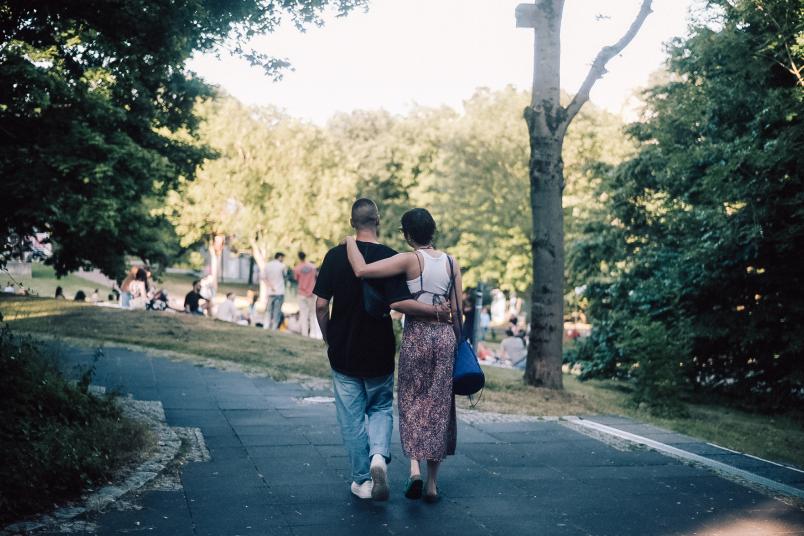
x=379 y=476
x=362 y=490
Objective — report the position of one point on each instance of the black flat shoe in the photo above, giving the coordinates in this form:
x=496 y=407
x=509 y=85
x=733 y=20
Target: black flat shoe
x=432 y=499
x=413 y=488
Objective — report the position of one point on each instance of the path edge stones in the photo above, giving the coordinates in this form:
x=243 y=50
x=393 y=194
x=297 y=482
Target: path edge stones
x=788 y=494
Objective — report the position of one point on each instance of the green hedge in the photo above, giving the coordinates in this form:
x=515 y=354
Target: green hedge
x=57 y=439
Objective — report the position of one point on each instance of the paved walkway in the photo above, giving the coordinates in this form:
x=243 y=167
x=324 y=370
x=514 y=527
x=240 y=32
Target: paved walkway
x=278 y=467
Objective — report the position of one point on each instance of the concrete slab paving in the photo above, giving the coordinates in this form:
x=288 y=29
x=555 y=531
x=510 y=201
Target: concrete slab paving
x=277 y=467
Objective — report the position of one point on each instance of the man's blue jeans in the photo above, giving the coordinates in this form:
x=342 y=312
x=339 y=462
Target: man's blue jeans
x=365 y=414
x=273 y=311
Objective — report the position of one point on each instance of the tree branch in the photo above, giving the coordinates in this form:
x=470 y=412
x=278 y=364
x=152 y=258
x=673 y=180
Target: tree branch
x=598 y=68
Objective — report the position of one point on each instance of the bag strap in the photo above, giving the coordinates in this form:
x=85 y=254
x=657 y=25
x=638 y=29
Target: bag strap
x=455 y=289
x=421 y=272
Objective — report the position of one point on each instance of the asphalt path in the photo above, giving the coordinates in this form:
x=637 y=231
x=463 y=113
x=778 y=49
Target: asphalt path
x=277 y=466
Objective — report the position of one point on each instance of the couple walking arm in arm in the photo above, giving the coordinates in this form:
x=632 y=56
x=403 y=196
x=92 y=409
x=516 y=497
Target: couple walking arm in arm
x=361 y=348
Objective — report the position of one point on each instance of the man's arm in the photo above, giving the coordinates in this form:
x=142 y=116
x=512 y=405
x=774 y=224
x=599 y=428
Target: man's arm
x=322 y=314
x=423 y=310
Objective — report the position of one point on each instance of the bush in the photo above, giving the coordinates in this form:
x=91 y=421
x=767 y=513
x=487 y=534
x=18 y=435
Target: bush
x=658 y=373
x=57 y=439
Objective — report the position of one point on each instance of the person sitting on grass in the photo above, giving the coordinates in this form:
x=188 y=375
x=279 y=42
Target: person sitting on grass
x=227 y=311
x=193 y=299
x=59 y=294
x=513 y=349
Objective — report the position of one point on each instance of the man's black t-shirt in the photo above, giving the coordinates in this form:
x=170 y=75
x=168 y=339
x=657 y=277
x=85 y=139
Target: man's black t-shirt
x=192 y=298
x=359 y=345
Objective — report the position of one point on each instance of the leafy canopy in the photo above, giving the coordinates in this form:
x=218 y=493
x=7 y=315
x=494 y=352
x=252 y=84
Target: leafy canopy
x=702 y=230
x=89 y=93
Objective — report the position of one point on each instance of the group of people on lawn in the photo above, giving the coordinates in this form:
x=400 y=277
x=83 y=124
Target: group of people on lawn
x=273 y=278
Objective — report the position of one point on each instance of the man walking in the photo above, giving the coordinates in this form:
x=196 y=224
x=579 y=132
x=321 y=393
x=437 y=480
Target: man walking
x=361 y=352
x=304 y=272
x=275 y=277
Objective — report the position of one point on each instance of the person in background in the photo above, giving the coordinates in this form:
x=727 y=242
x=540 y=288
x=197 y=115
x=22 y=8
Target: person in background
x=468 y=306
x=291 y=323
x=514 y=304
x=498 y=306
x=485 y=322
x=208 y=289
x=9 y=288
x=513 y=349
x=227 y=311
x=252 y=298
x=125 y=291
x=94 y=297
x=80 y=296
x=484 y=354
x=159 y=300
x=59 y=294
x=139 y=290
x=192 y=301
x=275 y=277
x=305 y=274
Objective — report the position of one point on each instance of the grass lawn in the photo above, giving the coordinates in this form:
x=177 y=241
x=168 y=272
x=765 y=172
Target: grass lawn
x=283 y=356
x=43 y=283
x=280 y=355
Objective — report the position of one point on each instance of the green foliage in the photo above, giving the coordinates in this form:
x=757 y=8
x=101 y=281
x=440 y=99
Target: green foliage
x=89 y=92
x=282 y=184
x=275 y=184
x=659 y=376
x=56 y=439
x=481 y=187
x=703 y=227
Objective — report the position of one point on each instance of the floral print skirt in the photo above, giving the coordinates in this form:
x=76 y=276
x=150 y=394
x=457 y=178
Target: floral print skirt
x=427 y=422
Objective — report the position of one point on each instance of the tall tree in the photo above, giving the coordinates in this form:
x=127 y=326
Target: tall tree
x=702 y=229
x=88 y=93
x=475 y=186
x=275 y=184
x=547 y=122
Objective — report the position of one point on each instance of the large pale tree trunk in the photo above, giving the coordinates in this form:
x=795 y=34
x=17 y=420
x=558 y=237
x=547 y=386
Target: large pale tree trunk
x=214 y=263
x=547 y=123
x=258 y=253
x=543 y=117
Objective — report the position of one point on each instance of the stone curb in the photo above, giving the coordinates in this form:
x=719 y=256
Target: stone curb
x=784 y=492
x=168 y=444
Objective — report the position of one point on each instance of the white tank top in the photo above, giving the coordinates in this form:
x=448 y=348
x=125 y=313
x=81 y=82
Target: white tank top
x=434 y=281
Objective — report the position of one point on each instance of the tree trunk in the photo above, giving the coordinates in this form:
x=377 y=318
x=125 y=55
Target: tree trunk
x=547 y=123
x=258 y=255
x=545 y=352
x=544 y=118
x=214 y=264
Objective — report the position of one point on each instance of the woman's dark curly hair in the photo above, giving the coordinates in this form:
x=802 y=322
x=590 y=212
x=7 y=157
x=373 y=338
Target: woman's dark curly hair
x=419 y=226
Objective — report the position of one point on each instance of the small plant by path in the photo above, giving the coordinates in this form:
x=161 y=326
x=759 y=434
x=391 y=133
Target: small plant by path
x=57 y=438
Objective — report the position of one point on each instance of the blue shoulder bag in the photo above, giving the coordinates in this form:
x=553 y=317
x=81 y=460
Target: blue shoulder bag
x=467 y=376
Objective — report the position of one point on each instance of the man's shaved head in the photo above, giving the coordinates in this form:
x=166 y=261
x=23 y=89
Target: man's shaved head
x=365 y=214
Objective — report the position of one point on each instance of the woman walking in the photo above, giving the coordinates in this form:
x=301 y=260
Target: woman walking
x=427 y=423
